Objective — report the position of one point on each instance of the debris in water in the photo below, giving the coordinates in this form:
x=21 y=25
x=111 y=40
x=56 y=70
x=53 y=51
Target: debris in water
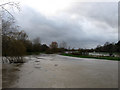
x=37 y=61
x=39 y=58
x=56 y=65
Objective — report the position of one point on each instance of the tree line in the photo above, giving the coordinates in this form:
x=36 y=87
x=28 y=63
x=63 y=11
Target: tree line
x=16 y=43
x=109 y=47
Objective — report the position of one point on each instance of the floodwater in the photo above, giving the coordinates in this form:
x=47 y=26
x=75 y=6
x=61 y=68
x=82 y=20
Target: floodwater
x=56 y=71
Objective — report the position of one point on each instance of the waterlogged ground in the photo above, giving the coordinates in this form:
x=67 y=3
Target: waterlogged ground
x=56 y=71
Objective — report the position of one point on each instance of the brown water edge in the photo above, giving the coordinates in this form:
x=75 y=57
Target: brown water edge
x=56 y=71
x=10 y=74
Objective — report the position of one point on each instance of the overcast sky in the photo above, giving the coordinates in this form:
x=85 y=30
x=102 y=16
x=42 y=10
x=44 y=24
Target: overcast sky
x=80 y=24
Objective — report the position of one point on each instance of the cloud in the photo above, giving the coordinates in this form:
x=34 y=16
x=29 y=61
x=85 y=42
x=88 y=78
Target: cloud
x=106 y=12
x=82 y=25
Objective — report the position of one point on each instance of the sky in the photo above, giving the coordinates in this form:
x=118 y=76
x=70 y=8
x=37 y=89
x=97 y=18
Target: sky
x=79 y=24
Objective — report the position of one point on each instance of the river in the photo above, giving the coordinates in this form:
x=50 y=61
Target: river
x=57 y=71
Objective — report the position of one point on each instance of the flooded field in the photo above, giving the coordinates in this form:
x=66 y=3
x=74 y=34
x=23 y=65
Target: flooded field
x=56 y=71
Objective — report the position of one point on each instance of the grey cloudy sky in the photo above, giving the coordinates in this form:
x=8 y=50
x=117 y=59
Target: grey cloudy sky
x=80 y=24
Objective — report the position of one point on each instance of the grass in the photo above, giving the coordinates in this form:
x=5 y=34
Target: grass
x=95 y=57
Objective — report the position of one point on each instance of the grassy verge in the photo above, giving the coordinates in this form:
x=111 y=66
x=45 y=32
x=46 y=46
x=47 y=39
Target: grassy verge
x=95 y=57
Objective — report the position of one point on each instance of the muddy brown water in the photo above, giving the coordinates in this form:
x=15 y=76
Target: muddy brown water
x=56 y=71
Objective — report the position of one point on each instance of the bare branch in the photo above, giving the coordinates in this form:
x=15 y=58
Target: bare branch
x=12 y=4
x=6 y=3
x=8 y=12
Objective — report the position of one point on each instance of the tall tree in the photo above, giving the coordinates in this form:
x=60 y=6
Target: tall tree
x=12 y=48
x=54 y=47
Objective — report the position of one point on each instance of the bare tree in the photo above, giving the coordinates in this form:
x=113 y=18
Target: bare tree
x=11 y=5
x=63 y=44
x=12 y=47
x=37 y=40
